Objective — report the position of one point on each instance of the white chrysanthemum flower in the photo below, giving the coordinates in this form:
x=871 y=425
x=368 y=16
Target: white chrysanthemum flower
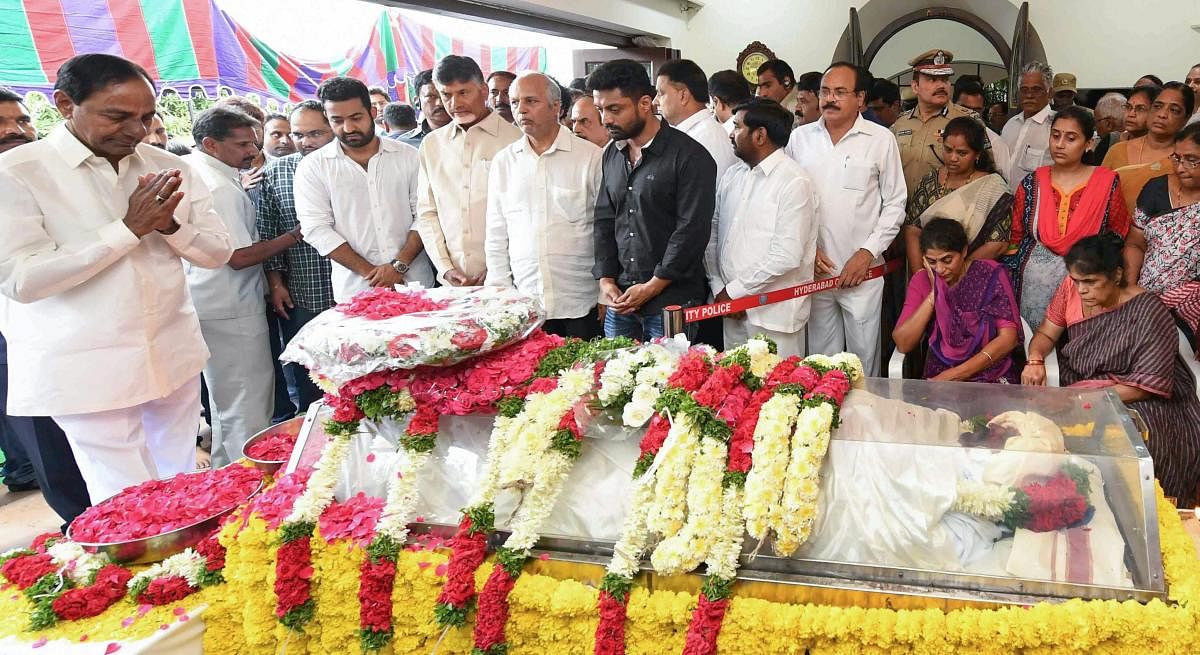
x=627 y=552
x=851 y=363
x=764 y=482
x=402 y=496
x=686 y=549
x=791 y=519
x=984 y=500
x=670 y=484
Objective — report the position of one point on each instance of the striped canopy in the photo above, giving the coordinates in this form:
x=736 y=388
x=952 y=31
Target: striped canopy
x=193 y=43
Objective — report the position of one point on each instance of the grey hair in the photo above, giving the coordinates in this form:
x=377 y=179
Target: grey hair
x=1111 y=105
x=553 y=91
x=1042 y=69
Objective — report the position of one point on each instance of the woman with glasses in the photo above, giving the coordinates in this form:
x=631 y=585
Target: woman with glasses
x=1158 y=111
x=1056 y=206
x=1164 y=242
x=1149 y=155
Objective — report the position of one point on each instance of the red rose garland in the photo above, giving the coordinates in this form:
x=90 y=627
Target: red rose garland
x=293 y=583
x=86 y=602
x=705 y=625
x=162 y=591
x=493 y=611
x=468 y=548
x=26 y=570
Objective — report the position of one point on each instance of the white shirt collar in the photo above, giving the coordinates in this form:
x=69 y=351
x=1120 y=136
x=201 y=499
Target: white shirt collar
x=1040 y=117
x=562 y=141
x=688 y=123
x=772 y=161
x=860 y=126
x=212 y=162
x=73 y=151
x=489 y=124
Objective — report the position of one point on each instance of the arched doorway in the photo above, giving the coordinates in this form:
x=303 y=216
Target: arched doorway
x=880 y=21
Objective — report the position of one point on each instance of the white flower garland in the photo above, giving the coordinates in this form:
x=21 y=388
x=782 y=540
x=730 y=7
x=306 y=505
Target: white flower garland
x=318 y=493
x=534 y=428
x=627 y=552
x=793 y=516
x=687 y=548
x=674 y=465
x=188 y=565
x=765 y=481
x=722 y=559
x=852 y=365
x=498 y=442
x=402 y=497
x=539 y=501
x=982 y=499
x=75 y=562
x=762 y=360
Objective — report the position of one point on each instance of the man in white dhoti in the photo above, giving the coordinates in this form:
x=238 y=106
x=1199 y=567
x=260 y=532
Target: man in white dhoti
x=230 y=300
x=102 y=334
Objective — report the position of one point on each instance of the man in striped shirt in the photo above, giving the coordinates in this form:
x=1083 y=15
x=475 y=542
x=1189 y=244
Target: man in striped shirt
x=299 y=278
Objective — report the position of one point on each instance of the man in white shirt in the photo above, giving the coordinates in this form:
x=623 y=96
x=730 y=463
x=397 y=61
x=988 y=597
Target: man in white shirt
x=682 y=98
x=230 y=299
x=726 y=90
x=455 y=159
x=541 y=200
x=764 y=233
x=1028 y=133
x=855 y=167
x=356 y=198
x=103 y=336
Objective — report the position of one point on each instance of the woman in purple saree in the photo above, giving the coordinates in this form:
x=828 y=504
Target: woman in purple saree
x=1123 y=338
x=966 y=308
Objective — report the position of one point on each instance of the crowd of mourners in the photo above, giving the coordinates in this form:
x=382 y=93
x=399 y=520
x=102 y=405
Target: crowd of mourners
x=140 y=288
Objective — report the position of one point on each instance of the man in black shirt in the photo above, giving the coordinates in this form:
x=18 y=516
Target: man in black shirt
x=655 y=208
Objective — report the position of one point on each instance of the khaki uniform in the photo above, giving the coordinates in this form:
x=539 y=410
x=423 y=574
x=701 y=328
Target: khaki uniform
x=921 y=142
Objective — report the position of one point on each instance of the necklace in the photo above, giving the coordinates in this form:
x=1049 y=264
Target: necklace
x=955 y=184
x=1181 y=199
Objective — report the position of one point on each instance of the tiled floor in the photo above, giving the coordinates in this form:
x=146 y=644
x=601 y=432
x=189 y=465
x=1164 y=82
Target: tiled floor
x=24 y=516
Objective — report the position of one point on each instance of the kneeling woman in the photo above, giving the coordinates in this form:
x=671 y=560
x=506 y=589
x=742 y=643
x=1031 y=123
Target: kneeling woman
x=973 y=320
x=1124 y=338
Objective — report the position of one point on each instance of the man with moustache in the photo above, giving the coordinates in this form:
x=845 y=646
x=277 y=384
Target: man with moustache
x=499 y=100
x=855 y=168
x=655 y=207
x=585 y=121
x=764 y=234
x=455 y=160
x=357 y=196
x=97 y=283
x=541 y=198
x=919 y=132
x=1028 y=132
x=433 y=114
x=36 y=452
x=229 y=300
x=298 y=279
x=277 y=138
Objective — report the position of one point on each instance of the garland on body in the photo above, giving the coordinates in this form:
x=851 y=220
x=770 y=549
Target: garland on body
x=63 y=581
x=678 y=492
x=533 y=443
x=1060 y=501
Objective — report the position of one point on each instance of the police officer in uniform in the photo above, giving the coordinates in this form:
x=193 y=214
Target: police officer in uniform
x=919 y=132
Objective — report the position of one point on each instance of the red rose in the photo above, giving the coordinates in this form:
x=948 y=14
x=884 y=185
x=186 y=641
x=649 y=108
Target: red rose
x=705 y=626
x=213 y=552
x=398 y=348
x=469 y=339
x=493 y=609
x=610 y=631
x=293 y=572
x=26 y=570
x=162 y=591
x=375 y=594
x=466 y=554
x=656 y=435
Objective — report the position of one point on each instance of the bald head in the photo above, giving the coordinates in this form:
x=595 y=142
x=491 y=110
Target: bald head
x=536 y=100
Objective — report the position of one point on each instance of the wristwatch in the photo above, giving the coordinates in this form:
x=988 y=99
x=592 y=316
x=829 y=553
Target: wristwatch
x=400 y=266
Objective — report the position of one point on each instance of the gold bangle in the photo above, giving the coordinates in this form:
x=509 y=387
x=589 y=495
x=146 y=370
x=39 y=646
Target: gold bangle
x=989 y=356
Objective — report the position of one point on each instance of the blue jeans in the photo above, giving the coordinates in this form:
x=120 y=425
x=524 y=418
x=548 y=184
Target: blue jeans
x=634 y=325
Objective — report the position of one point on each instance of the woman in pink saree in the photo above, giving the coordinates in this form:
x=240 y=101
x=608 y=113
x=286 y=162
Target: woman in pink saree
x=967 y=309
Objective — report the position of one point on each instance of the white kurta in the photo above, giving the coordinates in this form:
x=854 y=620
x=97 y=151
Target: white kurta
x=764 y=238
x=705 y=130
x=373 y=210
x=539 y=223
x=232 y=310
x=1028 y=142
x=95 y=305
x=452 y=204
x=101 y=331
x=859 y=183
